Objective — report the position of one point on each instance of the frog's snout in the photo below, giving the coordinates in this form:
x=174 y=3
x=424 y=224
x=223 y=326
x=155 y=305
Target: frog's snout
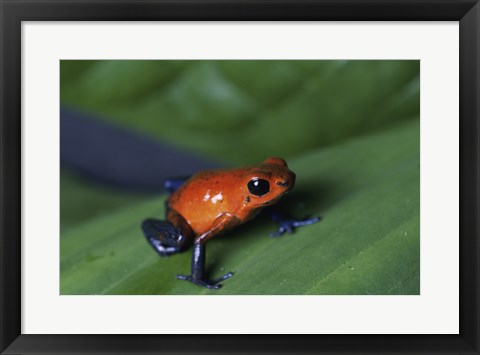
x=287 y=181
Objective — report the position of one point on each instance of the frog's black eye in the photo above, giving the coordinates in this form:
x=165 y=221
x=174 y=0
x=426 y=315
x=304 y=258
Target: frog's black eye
x=258 y=187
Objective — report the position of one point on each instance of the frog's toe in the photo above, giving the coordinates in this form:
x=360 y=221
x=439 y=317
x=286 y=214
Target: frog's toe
x=224 y=277
x=282 y=229
x=199 y=282
x=211 y=284
x=183 y=277
x=305 y=221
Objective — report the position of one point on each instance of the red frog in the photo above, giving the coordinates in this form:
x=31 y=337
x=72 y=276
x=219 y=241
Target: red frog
x=212 y=202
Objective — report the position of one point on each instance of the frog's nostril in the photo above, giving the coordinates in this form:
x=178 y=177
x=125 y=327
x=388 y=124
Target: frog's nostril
x=282 y=183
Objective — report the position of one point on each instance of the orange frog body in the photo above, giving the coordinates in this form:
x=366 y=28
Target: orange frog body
x=212 y=202
x=220 y=200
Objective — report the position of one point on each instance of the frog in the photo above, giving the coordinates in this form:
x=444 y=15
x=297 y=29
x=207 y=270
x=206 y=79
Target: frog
x=212 y=202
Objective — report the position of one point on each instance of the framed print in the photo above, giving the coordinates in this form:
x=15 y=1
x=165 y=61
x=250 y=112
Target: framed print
x=149 y=149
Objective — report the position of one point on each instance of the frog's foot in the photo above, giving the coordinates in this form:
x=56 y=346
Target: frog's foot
x=212 y=284
x=289 y=225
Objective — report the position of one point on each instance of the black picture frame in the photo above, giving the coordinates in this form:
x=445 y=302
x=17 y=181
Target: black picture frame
x=13 y=12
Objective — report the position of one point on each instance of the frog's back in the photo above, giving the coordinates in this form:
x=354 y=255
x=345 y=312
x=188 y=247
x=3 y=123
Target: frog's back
x=206 y=195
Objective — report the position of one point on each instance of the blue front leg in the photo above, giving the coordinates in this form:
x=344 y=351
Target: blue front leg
x=287 y=225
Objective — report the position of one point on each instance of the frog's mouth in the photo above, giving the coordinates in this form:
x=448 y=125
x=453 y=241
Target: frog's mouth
x=274 y=200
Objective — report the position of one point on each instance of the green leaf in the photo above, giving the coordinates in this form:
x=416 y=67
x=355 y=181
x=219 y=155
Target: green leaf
x=368 y=242
x=81 y=200
x=246 y=107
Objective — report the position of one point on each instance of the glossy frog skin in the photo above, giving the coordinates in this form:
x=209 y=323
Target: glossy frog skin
x=212 y=202
x=215 y=201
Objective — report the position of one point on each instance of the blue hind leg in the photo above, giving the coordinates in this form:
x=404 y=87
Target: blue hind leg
x=161 y=235
x=168 y=237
